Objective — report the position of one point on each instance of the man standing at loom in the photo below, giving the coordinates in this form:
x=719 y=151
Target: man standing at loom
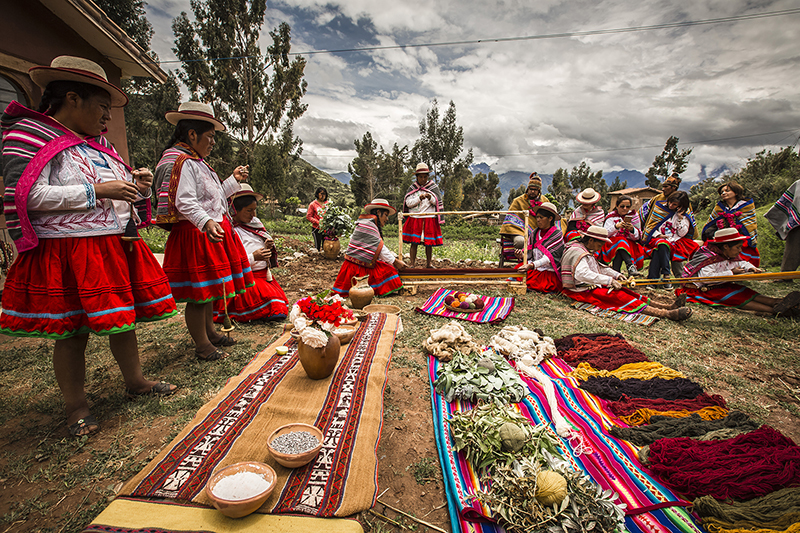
x=512 y=232
x=423 y=196
x=367 y=256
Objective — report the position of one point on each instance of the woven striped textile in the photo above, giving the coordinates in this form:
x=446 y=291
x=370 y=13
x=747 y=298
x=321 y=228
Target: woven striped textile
x=496 y=309
x=273 y=390
x=610 y=462
x=632 y=318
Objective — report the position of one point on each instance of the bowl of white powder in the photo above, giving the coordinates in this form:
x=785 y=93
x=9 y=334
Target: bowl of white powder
x=239 y=489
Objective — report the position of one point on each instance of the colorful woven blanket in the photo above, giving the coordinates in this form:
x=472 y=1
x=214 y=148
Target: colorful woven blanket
x=611 y=463
x=495 y=309
x=273 y=390
x=632 y=318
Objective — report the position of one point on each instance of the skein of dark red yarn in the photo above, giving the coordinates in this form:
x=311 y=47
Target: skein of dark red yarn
x=747 y=466
x=567 y=342
x=626 y=405
x=665 y=427
x=612 y=388
x=602 y=352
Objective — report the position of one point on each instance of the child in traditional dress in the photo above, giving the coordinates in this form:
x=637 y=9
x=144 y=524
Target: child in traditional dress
x=266 y=300
x=68 y=202
x=721 y=257
x=587 y=213
x=423 y=196
x=669 y=235
x=203 y=258
x=623 y=229
x=734 y=211
x=543 y=266
x=586 y=280
x=367 y=256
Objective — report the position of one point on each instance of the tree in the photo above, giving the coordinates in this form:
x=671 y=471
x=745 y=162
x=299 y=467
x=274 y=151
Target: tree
x=560 y=190
x=364 y=170
x=670 y=160
x=146 y=128
x=394 y=176
x=257 y=97
x=513 y=193
x=129 y=15
x=481 y=193
x=582 y=178
x=617 y=185
x=440 y=145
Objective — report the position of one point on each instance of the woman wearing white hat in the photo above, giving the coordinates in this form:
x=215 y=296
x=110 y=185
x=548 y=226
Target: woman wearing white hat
x=721 y=257
x=423 y=196
x=203 y=258
x=586 y=280
x=367 y=256
x=68 y=203
x=266 y=300
x=543 y=266
x=587 y=213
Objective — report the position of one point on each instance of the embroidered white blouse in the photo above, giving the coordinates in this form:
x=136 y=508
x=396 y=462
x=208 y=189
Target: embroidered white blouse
x=200 y=196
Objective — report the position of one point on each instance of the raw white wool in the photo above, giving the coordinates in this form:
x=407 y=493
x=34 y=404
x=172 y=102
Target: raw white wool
x=240 y=486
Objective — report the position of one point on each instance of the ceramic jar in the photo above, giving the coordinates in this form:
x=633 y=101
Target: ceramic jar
x=361 y=293
x=330 y=248
x=319 y=362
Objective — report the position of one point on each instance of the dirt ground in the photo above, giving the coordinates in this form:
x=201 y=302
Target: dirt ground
x=408 y=473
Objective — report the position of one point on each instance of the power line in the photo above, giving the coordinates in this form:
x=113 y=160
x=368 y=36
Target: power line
x=630 y=29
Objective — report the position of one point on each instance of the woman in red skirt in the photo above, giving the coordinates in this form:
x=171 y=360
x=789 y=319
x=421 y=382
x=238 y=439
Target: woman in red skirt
x=68 y=203
x=266 y=300
x=203 y=258
x=423 y=196
x=543 y=267
x=669 y=235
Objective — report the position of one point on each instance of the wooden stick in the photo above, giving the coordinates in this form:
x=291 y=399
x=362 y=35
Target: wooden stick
x=415 y=519
x=379 y=515
x=712 y=279
x=400 y=235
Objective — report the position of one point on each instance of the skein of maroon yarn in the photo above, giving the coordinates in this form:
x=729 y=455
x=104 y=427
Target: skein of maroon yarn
x=747 y=466
x=602 y=352
x=568 y=342
x=612 y=388
x=626 y=405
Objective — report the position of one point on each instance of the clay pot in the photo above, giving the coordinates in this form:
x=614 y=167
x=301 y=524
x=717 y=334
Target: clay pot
x=361 y=293
x=319 y=362
x=330 y=249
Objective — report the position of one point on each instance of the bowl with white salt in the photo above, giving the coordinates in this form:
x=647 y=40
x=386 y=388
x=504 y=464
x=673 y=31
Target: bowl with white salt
x=239 y=489
x=345 y=333
x=295 y=445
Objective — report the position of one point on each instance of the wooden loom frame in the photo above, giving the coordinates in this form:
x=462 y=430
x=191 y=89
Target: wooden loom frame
x=482 y=278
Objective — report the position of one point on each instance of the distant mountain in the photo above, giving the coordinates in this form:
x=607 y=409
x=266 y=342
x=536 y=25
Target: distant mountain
x=344 y=177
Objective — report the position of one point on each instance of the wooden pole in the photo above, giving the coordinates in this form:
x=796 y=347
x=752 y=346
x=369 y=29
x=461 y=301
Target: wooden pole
x=400 y=235
x=525 y=253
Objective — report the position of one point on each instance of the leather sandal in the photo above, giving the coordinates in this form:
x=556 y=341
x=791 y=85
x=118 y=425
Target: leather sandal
x=161 y=388
x=85 y=426
x=216 y=355
x=223 y=341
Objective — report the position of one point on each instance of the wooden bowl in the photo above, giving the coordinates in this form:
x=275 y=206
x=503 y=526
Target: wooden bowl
x=359 y=315
x=459 y=310
x=298 y=459
x=344 y=338
x=382 y=308
x=243 y=507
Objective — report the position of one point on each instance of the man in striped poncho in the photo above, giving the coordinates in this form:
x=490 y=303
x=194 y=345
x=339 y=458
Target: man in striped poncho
x=367 y=256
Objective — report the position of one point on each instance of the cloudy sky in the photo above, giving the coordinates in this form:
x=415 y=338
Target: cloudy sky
x=537 y=100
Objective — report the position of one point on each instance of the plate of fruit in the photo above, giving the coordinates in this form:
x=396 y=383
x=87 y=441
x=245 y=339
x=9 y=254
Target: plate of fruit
x=464 y=302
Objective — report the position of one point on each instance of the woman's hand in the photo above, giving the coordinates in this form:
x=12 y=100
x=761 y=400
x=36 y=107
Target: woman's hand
x=518 y=254
x=117 y=190
x=214 y=231
x=241 y=173
x=616 y=285
x=142 y=178
x=399 y=264
x=262 y=254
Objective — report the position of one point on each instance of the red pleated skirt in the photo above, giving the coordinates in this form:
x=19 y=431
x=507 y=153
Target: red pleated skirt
x=423 y=231
x=263 y=301
x=542 y=280
x=383 y=278
x=621 y=300
x=618 y=242
x=723 y=295
x=201 y=271
x=77 y=285
x=681 y=250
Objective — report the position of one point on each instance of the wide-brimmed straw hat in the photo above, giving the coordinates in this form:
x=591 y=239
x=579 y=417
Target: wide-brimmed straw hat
x=71 y=68
x=596 y=232
x=727 y=236
x=588 y=196
x=379 y=203
x=246 y=190
x=550 y=208
x=422 y=168
x=194 y=111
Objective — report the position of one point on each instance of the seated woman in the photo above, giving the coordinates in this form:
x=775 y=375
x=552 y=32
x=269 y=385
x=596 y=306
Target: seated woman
x=266 y=299
x=720 y=257
x=624 y=230
x=669 y=235
x=586 y=280
x=732 y=211
x=588 y=213
x=367 y=256
x=544 y=251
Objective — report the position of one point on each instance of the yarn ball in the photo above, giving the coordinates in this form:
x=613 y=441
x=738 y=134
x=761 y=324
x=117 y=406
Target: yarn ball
x=479 y=304
x=448 y=300
x=551 y=488
x=464 y=305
